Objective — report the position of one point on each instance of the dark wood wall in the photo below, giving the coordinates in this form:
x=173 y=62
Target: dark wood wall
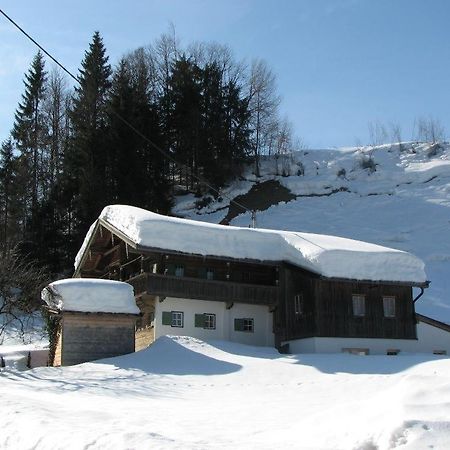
x=335 y=312
x=327 y=309
x=288 y=324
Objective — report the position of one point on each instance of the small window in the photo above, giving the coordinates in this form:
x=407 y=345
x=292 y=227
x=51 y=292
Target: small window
x=173 y=318
x=209 y=274
x=439 y=352
x=389 y=306
x=359 y=305
x=177 y=319
x=210 y=321
x=392 y=351
x=179 y=271
x=206 y=321
x=246 y=325
x=356 y=351
x=298 y=304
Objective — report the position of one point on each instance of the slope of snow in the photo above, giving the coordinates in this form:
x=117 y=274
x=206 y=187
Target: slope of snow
x=404 y=203
x=327 y=255
x=91 y=295
x=182 y=393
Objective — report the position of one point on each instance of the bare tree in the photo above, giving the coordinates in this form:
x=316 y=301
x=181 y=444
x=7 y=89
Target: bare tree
x=429 y=130
x=377 y=133
x=21 y=282
x=263 y=105
x=396 y=135
x=284 y=145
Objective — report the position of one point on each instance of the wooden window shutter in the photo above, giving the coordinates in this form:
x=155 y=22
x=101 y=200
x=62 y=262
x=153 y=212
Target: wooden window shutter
x=167 y=318
x=238 y=324
x=200 y=321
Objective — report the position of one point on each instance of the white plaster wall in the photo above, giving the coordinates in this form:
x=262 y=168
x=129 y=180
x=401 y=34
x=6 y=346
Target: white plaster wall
x=432 y=338
x=429 y=339
x=262 y=334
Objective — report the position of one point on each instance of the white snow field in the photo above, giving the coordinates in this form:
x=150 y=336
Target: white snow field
x=404 y=203
x=182 y=393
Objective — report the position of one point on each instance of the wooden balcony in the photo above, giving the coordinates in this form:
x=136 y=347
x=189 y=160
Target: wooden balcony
x=201 y=289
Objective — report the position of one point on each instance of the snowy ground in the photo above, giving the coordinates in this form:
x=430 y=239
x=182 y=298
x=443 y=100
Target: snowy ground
x=404 y=203
x=182 y=393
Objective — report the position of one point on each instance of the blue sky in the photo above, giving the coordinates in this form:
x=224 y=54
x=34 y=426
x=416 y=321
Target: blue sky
x=340 y=64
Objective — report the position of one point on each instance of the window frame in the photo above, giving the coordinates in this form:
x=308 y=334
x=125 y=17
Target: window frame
x=244 y=324
x=179 y=270
x=389 y=309
x=299 y=304
x=249 y=325
x=207 y=324
x=359 y=305
x=180 y=318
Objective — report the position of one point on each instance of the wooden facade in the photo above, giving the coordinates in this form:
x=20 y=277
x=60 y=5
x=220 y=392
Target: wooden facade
x=85 y=337
x=327 y=310
x=304 y=304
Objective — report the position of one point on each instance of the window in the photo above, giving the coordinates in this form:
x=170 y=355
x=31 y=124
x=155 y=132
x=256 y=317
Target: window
x=179 y=271
x=389 y=306
x=206 y=321
x=439 y=352
x=392 y=351
x=356 y=351
x=206 y=273
x=359 y=305
x=173 y=318
x=298 y=304
x=210 y=321
x=245 y=324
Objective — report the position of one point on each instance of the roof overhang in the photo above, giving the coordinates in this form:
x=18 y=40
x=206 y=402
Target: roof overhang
x=147 y=249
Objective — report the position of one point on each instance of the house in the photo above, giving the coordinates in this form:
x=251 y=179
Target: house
x=92 y=319
x=298 y=291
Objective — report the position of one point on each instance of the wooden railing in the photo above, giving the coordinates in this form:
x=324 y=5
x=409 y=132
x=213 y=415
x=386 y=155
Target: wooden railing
x=201 y=289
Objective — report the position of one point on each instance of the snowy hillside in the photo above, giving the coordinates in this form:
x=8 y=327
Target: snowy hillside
x=182 y=393
x=392 y=195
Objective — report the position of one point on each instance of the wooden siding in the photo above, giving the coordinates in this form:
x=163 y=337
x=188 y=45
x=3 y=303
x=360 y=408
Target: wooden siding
x=87 y=337
x=288 y=324
x=201 y=289
x=335 y=313
x=144 y=337
x=327 y=309
x=58 y=349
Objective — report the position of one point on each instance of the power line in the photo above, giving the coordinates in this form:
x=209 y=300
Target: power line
x=139 y=133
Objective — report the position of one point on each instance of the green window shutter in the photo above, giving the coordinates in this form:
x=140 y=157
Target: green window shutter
x=170 y=269
x=238 y=324
x=202 y=272
x=200 y=321
x=167 y=318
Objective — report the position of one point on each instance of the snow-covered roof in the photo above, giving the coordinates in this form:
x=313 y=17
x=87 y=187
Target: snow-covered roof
x=91 y=295
x=329 y=256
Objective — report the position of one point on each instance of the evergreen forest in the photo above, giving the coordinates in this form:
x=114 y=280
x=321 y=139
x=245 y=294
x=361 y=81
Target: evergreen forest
x=165 y=119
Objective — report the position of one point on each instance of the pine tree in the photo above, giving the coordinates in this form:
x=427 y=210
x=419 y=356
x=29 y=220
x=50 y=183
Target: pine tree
x=30 y=133
x=184 y=119
x=7 y=194
x=85 y=159
x=137 y=170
